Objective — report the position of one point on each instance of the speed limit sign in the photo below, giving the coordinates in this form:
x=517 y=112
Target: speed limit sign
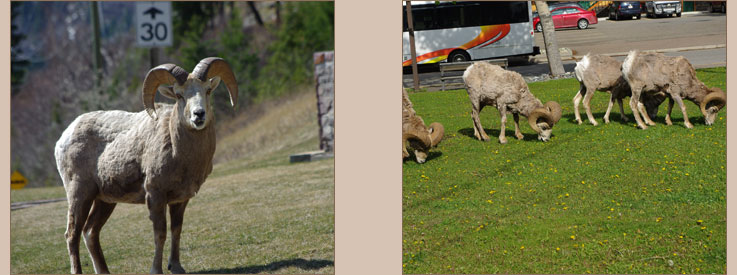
x=153 y=24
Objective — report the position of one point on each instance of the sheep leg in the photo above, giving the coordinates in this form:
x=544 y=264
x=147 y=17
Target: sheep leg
x=667 y=114
x=503 y=113
x=609 y=108
x=644 y=114
x=678 y=100
x=517 y=132
x=157 y=213
x=621 y=110
x=587 y=105
x=98 y=216
x=176 y=212
x=634 y=100
x=478 y=131
x=79 y=208
x=576 y=100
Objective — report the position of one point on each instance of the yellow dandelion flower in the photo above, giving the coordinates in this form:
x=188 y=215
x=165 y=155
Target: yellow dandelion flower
x=557 y=249
x=573 y=237
x=699 y=222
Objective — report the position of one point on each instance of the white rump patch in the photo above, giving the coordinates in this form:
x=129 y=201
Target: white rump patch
x=581 y=66
x=465 y=73
x=61 y=145
x=627 y=64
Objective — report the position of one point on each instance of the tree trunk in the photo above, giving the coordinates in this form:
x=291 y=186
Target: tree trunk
x=97 y=60
x=551 y=43
x=256 y=13
x=412 y=46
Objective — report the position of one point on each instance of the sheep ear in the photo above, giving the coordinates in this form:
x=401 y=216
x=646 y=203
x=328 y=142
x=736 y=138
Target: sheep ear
x=167 y=91
x=214 y=82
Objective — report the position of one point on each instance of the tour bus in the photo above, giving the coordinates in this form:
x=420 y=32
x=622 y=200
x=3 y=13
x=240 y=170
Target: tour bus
x=465 y=31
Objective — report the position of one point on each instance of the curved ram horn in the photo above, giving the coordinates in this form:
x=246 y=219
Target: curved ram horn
x=717 y=96
x=555 y=112
x=216 y=66
x=422 y=136
x=162 y=74
x=550 y=113
x=436 y=134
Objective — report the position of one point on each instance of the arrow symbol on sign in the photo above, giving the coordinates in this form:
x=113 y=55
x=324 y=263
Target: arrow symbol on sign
x=153 y=11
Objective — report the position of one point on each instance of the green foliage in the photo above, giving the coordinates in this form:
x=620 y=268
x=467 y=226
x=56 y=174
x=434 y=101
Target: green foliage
x=594 y=199
x=307 y=27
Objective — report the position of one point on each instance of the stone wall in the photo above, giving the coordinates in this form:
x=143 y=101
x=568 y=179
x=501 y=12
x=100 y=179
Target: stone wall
x=324 y=85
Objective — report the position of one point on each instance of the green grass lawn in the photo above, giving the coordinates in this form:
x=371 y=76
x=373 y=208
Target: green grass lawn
x=594 y=199
x=257 y=213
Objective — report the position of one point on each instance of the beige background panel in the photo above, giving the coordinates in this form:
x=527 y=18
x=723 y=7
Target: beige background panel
x=368 y=167
x=731 y=134
x=5 y=139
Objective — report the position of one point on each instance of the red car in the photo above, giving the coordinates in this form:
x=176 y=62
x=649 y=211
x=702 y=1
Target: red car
x=568 y=16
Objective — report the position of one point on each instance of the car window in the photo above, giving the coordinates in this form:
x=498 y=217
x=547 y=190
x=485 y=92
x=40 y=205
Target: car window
x=557 y=12
x=571 y=11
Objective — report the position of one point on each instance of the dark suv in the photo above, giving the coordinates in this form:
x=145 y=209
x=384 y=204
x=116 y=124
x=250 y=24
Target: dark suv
x=624 y=9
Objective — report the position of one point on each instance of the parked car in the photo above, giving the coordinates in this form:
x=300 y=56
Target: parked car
x=719 y=6
x=624 y=9
x=567 y=16
x=663 y=8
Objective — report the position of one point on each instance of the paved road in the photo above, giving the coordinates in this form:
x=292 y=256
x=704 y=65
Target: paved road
x=690 y=30
x=608 y=36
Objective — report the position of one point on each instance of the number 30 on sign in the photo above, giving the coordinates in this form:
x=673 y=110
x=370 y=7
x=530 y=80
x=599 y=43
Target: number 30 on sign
x=153 y=24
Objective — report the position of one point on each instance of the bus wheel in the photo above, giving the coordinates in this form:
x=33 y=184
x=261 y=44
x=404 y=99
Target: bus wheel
x=459 y=56
x=583 y=23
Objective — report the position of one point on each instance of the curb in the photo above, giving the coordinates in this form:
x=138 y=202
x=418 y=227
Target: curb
x=672 y=50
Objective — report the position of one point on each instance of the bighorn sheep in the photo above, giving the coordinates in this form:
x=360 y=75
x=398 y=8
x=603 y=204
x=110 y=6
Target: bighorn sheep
x=489 y=84
x=159 y=157
x=654 y=72
x=420 y=137
x=603 y=73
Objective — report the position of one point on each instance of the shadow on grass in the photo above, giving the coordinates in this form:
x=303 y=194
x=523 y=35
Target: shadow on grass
x=494 y=133
x=271 y=267
x=430 y=156
x=615 y=117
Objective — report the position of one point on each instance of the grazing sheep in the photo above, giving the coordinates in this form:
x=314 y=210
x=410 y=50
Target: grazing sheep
x=654 y=72
x=159 y=157
x=420 y=137
x=603 y=73
x=489 y=84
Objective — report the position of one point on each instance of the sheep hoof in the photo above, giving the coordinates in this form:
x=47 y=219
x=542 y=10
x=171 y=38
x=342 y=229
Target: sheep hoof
x=593 y=122
x=606 y=121
x=579 y=121
x=688 y=125
x=642 y=126
x=651 y=123
x=668 y=122
x=519 y=136
x=503 y=140
x=176 y=269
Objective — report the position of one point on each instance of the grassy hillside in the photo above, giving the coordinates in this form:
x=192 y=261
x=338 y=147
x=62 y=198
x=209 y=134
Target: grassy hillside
x=595 y=199
x=257 y=213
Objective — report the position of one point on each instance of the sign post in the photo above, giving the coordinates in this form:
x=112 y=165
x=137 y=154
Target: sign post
x=17 y=181
x=153 y=27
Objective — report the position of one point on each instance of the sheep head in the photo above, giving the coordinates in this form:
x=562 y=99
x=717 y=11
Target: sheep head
x=543 y=119
x=191 y=91
x=422 y=138
x=714 y=101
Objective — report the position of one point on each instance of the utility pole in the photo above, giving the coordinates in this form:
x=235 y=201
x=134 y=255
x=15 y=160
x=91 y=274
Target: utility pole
x=412 y=45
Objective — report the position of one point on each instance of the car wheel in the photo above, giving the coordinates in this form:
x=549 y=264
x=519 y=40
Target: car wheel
x=583 y=23
x=616 y=16
x=639 y=16
x=678 y=14
x=459 y=56
x=539 y=27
